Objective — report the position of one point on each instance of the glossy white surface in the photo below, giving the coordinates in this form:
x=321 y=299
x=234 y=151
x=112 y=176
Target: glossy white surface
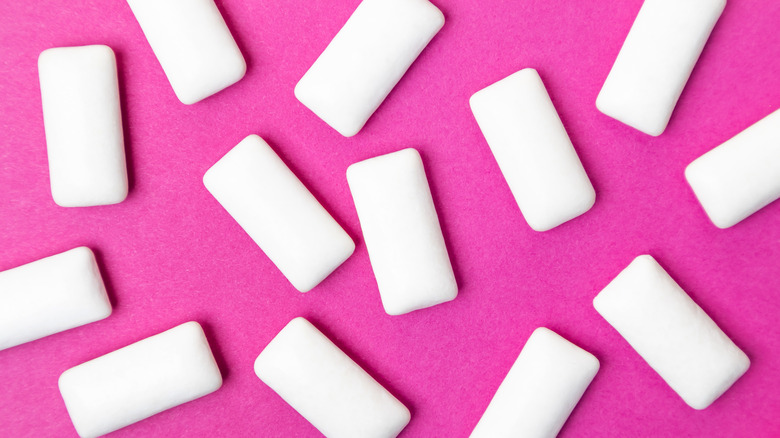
x=671 y=332
x=51 y=295
x=402 y=231
x=192 y=43
x=326 y=387
x=541 y=389
x=140 y=380
x=533 y=150
x=366 y=59
x=277 y=211
x=83 y=123
x=656 y=60
x=741 y=176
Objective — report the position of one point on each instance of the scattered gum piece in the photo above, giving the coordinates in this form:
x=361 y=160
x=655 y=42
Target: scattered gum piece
x=51 y=295
x=366 y=59
x=140 y=380
x=671 y=332
x=402 y=232
x=326 y=387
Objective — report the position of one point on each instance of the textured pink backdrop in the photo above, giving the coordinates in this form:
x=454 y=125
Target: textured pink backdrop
x=169 y=253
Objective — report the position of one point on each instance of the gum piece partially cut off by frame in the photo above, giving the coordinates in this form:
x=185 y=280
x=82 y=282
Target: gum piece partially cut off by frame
x=51 y=295
x=193 y=45
x=656 y=60
x=326 y=387
x=741 y=176
x=142 y=379
x=366 y=59
x=541 y=389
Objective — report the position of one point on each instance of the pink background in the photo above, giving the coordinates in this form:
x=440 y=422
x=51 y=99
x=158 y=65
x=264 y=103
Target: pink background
x=170 y=253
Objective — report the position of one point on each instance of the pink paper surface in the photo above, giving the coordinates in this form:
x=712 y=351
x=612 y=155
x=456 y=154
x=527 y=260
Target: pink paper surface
x=170 y=253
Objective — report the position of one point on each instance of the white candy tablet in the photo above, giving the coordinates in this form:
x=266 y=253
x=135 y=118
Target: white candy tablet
x=656 y=60
x=402 y=232
x=279 y=213
x=51 y=295
x=532 y=149
x=366 y=59
x=83 y=125
x=741 y=176
x=326 y=387
x=140 y=380
x=541 y=389
x=671 y=332
x=192 y=43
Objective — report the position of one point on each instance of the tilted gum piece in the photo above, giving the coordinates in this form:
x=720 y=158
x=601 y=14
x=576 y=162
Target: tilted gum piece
x=533 y=150
x=741 y=176
x=277 y=211
x=326 y=387
x=402 y=232
x=83 y=124
x=656 y=60
x=541 y=389
x=51 y=295
x=193 y=44
x=671 y=332
x=140 y=380
x=366 y=59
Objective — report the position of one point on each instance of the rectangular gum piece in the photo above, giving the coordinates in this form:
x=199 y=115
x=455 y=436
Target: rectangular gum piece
x=402 y=232
x=741 y=176
x=671 y=332
x=277 y=211
x=541 y=389
x=326 y=387
x=140 y=380
x=656 y=60
x=366 y=59
x=533 y=150
x=83 y=124
x=51 y=295
x=193 y=45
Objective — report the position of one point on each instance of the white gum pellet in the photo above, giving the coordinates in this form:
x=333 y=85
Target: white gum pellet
x=277 y=211
x=541 y=389
x=83 y=124
x=140 y=380
x=366 y=59
x=402 y=232
x=51 y=295
x=741 y=176
x=656 y=60
x=193 y=45
x=326 y=387
x=533 y=150
x=671 y=332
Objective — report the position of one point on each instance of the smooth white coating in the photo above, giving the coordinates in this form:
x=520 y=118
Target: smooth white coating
x=192 y=43
x=541 y=389
x=402 y=232
x=656 y=61
x=51 y=295
x=532 y=149
x=140 y=380
x=277 y=211
x=671 y=332
x=83 y=124
x=326 y=387
x=366 y=59
x=741 y=176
